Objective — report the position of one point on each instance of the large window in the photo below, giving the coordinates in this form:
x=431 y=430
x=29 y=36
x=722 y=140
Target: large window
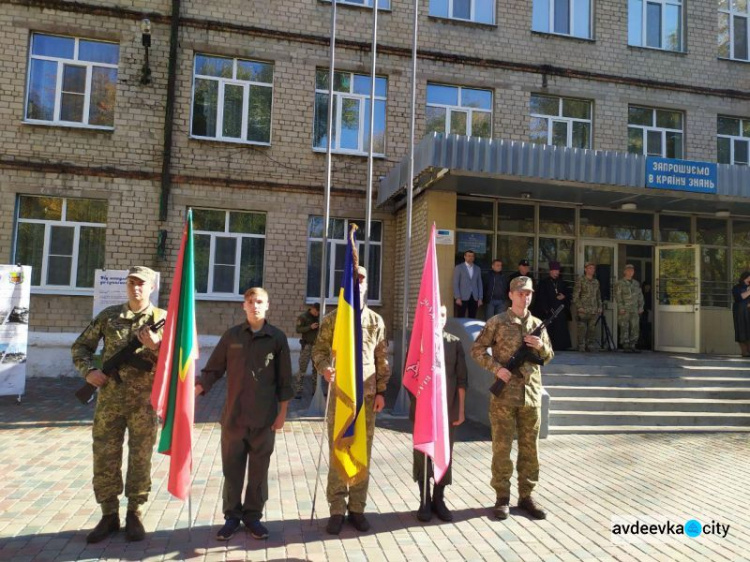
x=596 y=223
x=229 y=248
x=72 y=81
x=478 y=11
x=733 y=29
x=61 y=239
x=740 y=249
x=232 y=99
x=338 y=231
x=713 y=237
x=454 y=110
x=655 y=132
x=733 y=140
x=351 y=113
x=656 y=24
x=563 y=17
x=560 y=121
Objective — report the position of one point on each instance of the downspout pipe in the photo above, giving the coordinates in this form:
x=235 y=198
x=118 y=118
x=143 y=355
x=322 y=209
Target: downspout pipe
x=166 y=163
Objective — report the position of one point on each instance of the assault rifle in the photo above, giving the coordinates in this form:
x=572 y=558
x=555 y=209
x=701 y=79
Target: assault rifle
x=111 y=365
x=524 y=353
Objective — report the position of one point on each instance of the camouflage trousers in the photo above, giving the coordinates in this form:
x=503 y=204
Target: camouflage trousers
x=245 y=453
x=629 y=329
x=305 y=354
x=337 y=489
x=505 y=420
x=120 y=407
x=418 y=464
x=587 y=331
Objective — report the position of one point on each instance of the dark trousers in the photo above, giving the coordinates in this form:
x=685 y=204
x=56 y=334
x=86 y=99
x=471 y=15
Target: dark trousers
x=469 y=305
x=246 y=451
x=418 y=464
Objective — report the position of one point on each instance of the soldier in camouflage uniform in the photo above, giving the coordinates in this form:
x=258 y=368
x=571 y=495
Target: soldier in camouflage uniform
x=519 y=406
x=307 y=325
x=121 y=406
x=376 y=372
x=629 y=299
x=587 y=302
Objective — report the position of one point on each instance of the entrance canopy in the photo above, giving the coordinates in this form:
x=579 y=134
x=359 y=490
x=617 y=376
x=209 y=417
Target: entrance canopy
x=501 y=168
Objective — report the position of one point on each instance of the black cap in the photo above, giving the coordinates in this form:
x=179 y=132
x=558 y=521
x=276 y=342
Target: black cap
x=524 y=262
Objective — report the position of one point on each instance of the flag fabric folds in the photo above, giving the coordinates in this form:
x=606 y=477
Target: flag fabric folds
x=349 y=427
x=424 y=374
x=173 y=394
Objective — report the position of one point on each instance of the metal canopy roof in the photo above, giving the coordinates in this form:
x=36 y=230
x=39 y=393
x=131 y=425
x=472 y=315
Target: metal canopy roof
x=501 y=168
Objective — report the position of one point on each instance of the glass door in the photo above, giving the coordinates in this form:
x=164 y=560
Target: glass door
x=604 y=255
x=677 y=303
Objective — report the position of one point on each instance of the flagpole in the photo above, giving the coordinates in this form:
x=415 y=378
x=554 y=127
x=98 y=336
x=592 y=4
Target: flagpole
x=368 y=197
x=426 y=480
x=315 y=405
x=401 y=408
x=320 y=451
x=190 y=517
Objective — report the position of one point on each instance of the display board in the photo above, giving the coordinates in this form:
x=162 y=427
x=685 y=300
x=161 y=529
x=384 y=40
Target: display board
x=15 y=292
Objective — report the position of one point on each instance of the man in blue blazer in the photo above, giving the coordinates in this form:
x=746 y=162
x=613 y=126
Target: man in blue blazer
x=467 y=287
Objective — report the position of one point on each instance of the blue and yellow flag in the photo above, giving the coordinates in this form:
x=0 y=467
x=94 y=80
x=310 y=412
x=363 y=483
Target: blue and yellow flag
x=349 y=427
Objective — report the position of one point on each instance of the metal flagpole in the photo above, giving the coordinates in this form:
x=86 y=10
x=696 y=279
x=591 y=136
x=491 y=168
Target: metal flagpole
x=401 y=408
x=315 y=408
x=320 y=451
x=190 y=517
x=426 y=480
x=368 y=198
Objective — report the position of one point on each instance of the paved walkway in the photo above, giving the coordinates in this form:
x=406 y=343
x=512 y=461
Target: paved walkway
x=47 y=505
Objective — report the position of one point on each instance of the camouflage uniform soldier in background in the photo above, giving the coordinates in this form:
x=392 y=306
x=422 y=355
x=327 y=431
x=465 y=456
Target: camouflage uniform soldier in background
x=307 y=325
x=121 y=406
x=629 y=299
x=587 y=302
x=376 y=372
x=519 y=406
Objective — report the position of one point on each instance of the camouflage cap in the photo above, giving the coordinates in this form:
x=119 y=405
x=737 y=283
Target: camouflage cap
x=362 y=272
x=143 y=273
x=630 y=266
x=588 y=263
x=522 y=283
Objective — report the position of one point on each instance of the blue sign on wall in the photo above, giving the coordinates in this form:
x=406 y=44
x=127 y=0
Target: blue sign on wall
x=683 y=175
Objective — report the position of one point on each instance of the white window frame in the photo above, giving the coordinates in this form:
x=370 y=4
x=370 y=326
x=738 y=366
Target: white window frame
x=223 y=83
x=212 y=295
x=61 y=62
x=567 y=120
x=572 y=19
x=462 y=109
x=340 y=244
x=43 y=288
x=472 y=16
x=645 y=129
x=734 y=13
x=364 y=3
x=364 y=117
x=733 y=139
x=644 y=22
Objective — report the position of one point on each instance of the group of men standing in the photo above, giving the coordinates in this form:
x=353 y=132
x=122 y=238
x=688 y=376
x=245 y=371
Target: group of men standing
x=471 y=289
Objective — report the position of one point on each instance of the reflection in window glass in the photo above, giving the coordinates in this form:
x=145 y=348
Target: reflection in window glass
x=515 y=218
x=674 y=229
x=618 y=225
x=474 y=214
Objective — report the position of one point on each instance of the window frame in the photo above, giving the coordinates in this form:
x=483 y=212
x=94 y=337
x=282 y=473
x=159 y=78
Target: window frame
x=460 y=108
x=61 y=63
x=662 y=33
x=43 y=288
x=366 y=4
x=341 y=244
x=571 y=21
x=363 y=99
x=732 y=13
x=234 y=81
x=472 y=12
x=733 y=139
x=551 y=119
x=239 y=236
x=645 y=129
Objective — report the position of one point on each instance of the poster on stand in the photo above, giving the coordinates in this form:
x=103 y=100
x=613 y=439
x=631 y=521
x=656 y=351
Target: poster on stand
x=109 y=289
x=15 y=291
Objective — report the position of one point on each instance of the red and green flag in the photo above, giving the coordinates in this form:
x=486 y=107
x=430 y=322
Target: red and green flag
x=173 y=394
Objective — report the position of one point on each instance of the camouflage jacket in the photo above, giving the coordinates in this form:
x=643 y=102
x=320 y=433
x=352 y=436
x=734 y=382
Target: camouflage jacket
x=587 y=295
x=304 y=327
x=117 y=325
x=376 y=369
x=503 y=334
x=628 y=295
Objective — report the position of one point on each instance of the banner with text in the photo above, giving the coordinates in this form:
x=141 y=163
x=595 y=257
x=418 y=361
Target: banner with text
x=683 y=175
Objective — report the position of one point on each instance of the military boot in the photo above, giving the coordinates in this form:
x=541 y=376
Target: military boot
x=502 y=508
x=530 y=506
x=438 y=504
x=107 y=525
x=134 y=530
x=424 y=513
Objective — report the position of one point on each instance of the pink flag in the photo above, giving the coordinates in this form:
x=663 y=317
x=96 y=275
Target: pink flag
x=424 y=375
